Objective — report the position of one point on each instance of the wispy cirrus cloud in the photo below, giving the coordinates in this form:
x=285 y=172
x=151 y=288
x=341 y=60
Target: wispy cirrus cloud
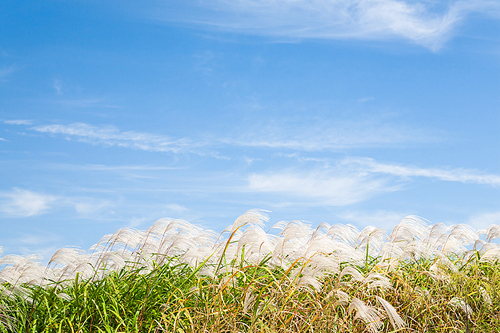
x=353 y=180
x=428 y=23
x=86 y=207
x=176 y=208
x=452 y=175
x=40 y=244
x=100 y=167
x=112 y=136
x=485 y=219
x=18 y=122
x=332 y=135
x=320 y=187
x=24 y=203
x=88 y=103
x=285 y=135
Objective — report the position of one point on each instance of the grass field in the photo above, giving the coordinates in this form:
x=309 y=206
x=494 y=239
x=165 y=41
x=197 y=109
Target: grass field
x=176 y=277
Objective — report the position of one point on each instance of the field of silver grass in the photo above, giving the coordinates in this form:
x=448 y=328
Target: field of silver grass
x=177 y=277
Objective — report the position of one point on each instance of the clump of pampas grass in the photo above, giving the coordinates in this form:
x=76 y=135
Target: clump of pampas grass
x=178 y=277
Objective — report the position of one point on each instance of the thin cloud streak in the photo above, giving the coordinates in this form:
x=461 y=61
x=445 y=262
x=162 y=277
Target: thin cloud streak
x=88 y=207
x=176 y=208
x=337 y=135
x=423 y=22
x=325 y=188
x=88 y=103
x=111 y=168
x=333 y=136
x=111 y=136
x=453 y=175
x=18 y=122
x=354 y=180
x=343 y=136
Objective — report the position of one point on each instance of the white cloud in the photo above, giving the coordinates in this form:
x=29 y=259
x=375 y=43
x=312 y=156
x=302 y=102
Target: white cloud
x=99 y=167
x=453 y=175
x=177 y=208
x=484 y=220
x=324 y=187
x=2 y=139
x=316 y=136
x=365 y=99
x=41 y=245
x=18 y=122
x=88 y=103
x=136 y=221
x=353 y=180
x=43 y=253
x=110 y=168
x=38 y=239
x=90 y=207
x=111 y=136
x=380 y=219
x=24 y=203
x=428 y=23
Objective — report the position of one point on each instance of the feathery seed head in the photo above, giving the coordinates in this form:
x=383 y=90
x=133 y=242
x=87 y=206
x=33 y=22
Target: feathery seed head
x=461 y=304
x=344 y=233
x=396 y=321
x=369 y=315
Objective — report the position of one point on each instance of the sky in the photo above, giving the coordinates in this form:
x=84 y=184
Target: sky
x=114 y=114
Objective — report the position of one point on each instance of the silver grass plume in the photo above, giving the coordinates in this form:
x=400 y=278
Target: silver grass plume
x=344 y=233
x=485 y=295
x=458 y=302
x=353 y=272
x=396 y=321
x=376 y=280
x=324 y=248
x=492 y=255
x=253 y=216
x=371 y=237
x=410 y=228
x=343 y=298
x=493 y=232
x=7 y=321
x=309 y=281
x=248 y=301
x=369 y=315
x=256 y=243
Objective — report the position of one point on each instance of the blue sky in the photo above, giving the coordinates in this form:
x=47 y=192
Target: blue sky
x=116 y=113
